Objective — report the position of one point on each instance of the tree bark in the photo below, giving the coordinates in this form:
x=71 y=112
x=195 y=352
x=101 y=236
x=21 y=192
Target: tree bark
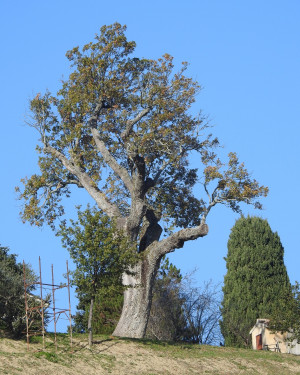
x=90 y=328
x=137 y=298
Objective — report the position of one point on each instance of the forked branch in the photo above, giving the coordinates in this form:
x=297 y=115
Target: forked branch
x=177 y=240
x=86 y=182
x=130 y=123
x=107 y=156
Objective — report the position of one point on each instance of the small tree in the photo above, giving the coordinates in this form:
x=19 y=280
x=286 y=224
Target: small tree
x=12 y=302
x=202 y=314
x=183 y=312
x=101 y=254
x=166 y=320
x=256 y=282
x=107 y=309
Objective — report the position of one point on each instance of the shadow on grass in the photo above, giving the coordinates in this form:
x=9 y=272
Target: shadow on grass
x=162 y=344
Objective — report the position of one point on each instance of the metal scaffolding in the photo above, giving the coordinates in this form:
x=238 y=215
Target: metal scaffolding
x=35 y=307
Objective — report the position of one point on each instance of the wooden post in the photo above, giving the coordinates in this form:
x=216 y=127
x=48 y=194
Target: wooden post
x=42 y=304
x=90 y=328
x=26 y=305
x=70 y=314
x=54 y=315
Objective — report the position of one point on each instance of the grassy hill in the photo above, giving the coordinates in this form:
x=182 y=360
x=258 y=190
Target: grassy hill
x=143 y=357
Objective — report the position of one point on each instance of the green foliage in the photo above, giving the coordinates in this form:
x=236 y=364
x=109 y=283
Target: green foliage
x=141 y=109
x=256 y=282
x=101 y=254
x=106 y=313
x=234 y=183
x=107 y=309
x=12 y=302
x=286 y=317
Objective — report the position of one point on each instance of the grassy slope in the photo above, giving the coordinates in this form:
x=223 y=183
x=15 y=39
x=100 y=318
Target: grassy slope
x=117 y=356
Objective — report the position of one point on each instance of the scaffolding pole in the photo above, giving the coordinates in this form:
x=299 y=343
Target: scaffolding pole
x=54 y=312
x=26 y=306
x=42 y=304
x=32 y=311
x=70 y=314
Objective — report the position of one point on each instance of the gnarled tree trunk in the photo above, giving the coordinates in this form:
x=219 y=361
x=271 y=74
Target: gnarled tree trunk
x=138 y=295
x=137 y=298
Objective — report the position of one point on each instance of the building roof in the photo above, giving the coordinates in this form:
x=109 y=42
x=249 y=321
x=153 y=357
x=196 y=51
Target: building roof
x=260 y=323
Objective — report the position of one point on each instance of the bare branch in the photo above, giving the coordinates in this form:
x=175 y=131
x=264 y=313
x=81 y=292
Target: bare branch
x=107 y=156
x=86 y=182
x=111 y=161
x=73 y=182
x=206 y=190
x=58 y=186
x=131 y=123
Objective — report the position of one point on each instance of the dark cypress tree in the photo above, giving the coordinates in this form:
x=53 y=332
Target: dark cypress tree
x=256 y=281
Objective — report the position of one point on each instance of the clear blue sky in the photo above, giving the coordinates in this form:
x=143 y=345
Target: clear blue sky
x=245 y=54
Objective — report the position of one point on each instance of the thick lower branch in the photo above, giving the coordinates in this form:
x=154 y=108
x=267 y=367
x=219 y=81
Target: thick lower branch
x=177 y=240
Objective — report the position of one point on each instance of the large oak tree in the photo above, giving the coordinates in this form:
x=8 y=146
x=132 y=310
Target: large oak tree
x=122 y=128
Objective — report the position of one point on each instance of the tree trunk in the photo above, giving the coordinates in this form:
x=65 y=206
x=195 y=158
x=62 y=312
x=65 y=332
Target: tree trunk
x=90 y=329
x=138 y=295
x=137 y=299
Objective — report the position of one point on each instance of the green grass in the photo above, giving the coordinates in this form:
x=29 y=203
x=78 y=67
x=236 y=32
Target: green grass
x=52 y=357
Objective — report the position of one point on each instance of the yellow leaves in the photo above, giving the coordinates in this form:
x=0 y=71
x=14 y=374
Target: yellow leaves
x=249 y=192
x=168 y=57
x=31 y=212
x=233 y=159
x=253 y=190
x=235 y=184
x=211 y=173
x=87 y=46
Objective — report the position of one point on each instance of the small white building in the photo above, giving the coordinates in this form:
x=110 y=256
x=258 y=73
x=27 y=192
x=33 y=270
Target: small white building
x=264 y=339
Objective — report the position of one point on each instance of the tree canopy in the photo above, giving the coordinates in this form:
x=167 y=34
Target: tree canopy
x=256 y=282
x=131 y=115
